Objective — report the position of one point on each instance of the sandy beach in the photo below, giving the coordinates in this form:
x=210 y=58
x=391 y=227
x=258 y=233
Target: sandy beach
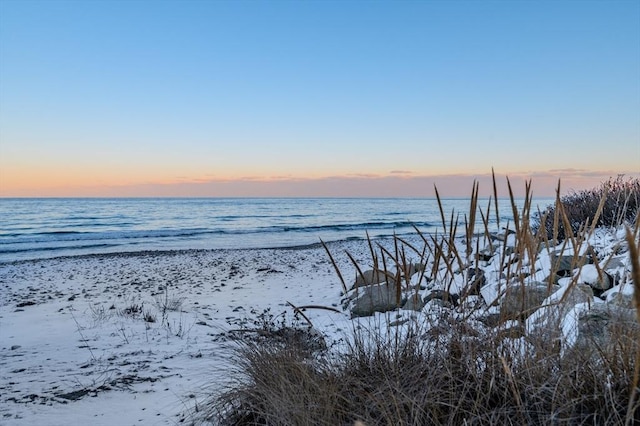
x=76 y=346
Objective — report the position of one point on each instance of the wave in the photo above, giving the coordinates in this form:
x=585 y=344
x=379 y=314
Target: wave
x=65 y=235
x=56 y=248
x=358 y=226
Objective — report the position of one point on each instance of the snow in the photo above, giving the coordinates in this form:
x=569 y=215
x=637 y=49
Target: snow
x=71 y=354
x=75 y=337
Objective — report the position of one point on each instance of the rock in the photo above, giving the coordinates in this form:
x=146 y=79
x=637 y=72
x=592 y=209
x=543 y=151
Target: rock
x=616 y=262
x=546 y=321
x=598 y=281
x=376 y=298
x=520 y=300
x=490 y=320
x=475 y=281
x=414 y=268
x=414 y=303
x=448 y=299
x=563 y=264
x=621 y=300
x=603 y=325
x=485 y=254
x=502 y=235
x=373 y=276
x=399 y=322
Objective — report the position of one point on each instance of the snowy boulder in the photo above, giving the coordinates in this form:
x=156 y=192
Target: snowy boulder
x=621 y=300
x=377 y=276
x=617 y=267
x=620 y=295
x=590 y=275
x=414 y=303
x=373 y=276
x=448 y=299
x=485 y=254
x=503 y=236
x=616 y=262
x=414 y=268
x=376 y=298
x=520 y=301
x=563 y=263
x=555 y=308
x=475 y=281
x=602 y=326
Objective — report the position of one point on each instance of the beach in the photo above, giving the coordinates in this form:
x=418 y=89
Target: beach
x=151 y=336
x=76 y=351
x=117 y=311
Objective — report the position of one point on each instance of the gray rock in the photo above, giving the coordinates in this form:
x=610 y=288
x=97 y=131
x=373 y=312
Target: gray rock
x=563 y=263
x=598 y=281
x=604 y=325
x=414 y=303
x=513 y=331
x=520 y=301
x=490 y=320
x=616 y=262
x=502 y=235
x=376 y=298
x=545 y=322
x=414 y=268
x=373 y=276
x=475 y=281
x=448 y=299
x=485 y=254
x=621 y=300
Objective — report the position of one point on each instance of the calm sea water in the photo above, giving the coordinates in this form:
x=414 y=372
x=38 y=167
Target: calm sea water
x=40 y=228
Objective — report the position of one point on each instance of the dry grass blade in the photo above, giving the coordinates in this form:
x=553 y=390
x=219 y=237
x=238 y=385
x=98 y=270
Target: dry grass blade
x=635 y=265
x=326 y=308
x=495 y=196
x=441 y=209
x=420 y=234
x=470 y=226
x=556 y=215
x=335 y=267
x=514 y=208
x=299 y=311
x=596 y=216
x=485 y=223
x=374 y=258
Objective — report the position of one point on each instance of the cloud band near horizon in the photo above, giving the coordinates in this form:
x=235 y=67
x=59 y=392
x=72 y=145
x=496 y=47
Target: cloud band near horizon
x=398 y=183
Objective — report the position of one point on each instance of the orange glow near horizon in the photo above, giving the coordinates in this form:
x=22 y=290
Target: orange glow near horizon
x=100 y=182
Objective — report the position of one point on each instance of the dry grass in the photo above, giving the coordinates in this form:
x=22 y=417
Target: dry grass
x=450 y=370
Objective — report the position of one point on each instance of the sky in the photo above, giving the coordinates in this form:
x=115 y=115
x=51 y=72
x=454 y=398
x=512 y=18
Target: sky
x=315 y=98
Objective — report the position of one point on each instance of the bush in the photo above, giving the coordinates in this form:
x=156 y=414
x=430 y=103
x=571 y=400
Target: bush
x=621 y=203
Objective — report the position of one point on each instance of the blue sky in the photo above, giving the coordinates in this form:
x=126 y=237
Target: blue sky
x=283 y=97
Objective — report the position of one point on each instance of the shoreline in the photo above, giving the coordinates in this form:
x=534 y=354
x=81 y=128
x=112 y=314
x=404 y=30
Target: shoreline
x=171 y=252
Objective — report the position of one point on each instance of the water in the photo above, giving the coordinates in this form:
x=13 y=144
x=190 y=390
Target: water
x=39 y=228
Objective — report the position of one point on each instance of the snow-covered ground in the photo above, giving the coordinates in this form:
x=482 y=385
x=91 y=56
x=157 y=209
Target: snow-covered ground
x=77 y=344
x=75 y=347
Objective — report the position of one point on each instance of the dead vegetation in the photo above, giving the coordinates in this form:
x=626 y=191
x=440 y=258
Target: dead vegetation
x=453 y=370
